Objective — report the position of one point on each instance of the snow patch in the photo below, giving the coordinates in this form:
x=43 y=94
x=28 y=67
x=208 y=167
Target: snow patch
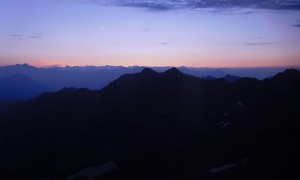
x=222 y=168
x=94 y=171
x=223 y=124
x=225 y=114
x=240 y=103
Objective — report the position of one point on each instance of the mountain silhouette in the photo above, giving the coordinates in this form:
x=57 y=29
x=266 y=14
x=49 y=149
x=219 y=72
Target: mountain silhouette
x=19 y=87
x=209 y=78
x=153 y=125
x=231 y=78
x=148 y=71
x=97 y=77
x=173 y=72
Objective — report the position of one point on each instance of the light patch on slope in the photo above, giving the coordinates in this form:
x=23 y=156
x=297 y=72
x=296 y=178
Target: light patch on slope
x=93 y=172
x=222 y=168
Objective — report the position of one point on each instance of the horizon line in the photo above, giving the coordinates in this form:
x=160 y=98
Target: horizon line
x=145 y=66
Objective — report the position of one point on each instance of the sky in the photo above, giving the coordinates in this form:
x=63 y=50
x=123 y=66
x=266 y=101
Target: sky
x=194 y=33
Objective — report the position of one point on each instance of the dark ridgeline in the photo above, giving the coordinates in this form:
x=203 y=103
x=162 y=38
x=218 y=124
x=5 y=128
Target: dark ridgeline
x=158 y=126
x=209 y=78
x=229 y=78
x=97 y=77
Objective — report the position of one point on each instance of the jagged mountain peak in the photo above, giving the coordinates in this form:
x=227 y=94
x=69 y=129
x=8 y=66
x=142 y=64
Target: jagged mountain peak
x=25 y=66
x=231 y=78
x=148 y=71
x=288 y=74
x=173 y=72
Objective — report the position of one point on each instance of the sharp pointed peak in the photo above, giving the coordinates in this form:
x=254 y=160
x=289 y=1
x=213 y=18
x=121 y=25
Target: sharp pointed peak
x=148 y=71
x=173 y=71
x=22 y=65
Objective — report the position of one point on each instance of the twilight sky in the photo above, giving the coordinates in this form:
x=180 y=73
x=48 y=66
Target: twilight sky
x=197 y=33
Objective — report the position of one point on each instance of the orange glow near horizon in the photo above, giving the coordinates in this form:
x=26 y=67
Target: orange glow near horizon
x=83 y=35
x=192 y=64
x=49 y=63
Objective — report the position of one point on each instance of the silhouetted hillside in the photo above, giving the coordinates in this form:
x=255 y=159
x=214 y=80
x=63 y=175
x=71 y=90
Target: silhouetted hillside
x=151 y=125
x=231 y=78
x=97 y=77
x=209 y=78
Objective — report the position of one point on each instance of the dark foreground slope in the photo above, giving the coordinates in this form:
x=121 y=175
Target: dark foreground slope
x=158 y=126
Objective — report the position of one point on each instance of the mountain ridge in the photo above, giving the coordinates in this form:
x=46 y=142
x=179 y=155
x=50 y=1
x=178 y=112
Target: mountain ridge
x=96 y=77
x=157 y=126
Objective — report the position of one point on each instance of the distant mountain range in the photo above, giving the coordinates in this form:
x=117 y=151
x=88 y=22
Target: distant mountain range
x=151 y=125
x=79 y=77
x=229 y=78
x=97 y=77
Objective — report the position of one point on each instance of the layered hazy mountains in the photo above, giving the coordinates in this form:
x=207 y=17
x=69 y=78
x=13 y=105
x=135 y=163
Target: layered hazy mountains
x=157 y=125
x=22 y=82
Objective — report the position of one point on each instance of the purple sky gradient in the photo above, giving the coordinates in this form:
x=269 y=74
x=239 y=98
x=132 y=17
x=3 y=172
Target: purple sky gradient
x=83 y=32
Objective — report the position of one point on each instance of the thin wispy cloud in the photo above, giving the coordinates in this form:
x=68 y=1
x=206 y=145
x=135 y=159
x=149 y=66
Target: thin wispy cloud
x=16 y=35
x=149 y=6
x=161 y=43
x=35 y=37
x=24 y=37
x=146 y=29
x=255 y=38
x=296 y=25
x=259 y=43
x=219 y=4
x=164 y=43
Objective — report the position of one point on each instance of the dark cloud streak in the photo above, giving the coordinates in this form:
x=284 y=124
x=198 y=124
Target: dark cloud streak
x=193 y=4
x=23 y=37
x=35 y=37
x=258 y=44
x=149 y=6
